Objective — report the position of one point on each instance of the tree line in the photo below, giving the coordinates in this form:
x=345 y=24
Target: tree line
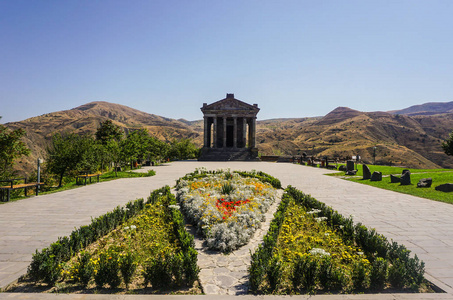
x=109 y=148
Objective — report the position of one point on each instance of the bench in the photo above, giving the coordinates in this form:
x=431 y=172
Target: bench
x=11 y=187
x=86 y=176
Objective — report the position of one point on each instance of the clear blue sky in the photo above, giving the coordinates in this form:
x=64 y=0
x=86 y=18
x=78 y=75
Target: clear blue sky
x=294 y=58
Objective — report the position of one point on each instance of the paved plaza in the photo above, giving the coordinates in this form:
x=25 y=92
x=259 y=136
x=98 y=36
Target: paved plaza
x=423 y=226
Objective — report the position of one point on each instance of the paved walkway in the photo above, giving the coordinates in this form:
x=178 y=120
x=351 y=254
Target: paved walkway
x=424 y=226
x=223 y=274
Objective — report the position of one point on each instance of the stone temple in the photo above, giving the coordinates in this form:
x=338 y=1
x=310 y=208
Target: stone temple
x=229 y=130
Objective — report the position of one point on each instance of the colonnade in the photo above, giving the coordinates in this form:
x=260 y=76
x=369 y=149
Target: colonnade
x=229 y=131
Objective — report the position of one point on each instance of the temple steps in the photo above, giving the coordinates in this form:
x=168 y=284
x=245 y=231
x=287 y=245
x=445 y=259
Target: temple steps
x=226 y=154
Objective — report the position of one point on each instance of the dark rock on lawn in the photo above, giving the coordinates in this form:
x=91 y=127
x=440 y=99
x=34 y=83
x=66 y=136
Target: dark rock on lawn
x=406 y=178
x=394 y=179
x=446 y=187
x=405 y=171
x=350 y=165
x=342 y=168
x=351 y=172
x=425 y=182
x=376 y=176
x=366 y=172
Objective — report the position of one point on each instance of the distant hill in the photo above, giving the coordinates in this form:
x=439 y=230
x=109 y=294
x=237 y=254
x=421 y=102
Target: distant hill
x=431 y=108
x=87 y=118
x=412 y=141
x=410 y=137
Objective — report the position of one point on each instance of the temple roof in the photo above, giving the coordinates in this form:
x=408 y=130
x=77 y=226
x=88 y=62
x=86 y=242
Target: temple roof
x=230 y=104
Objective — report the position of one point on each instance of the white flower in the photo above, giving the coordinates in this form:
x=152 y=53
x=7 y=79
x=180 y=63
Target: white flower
x=174 y=206
x=320 y=219
x=314 y=211
x=316 y=251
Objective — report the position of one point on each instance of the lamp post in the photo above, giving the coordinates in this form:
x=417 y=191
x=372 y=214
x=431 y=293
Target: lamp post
x=374 y=155
x=40 y=161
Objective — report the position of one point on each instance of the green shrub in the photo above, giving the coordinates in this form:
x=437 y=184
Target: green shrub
x=305 y=273
x=274 y=273
x=360 y=275
x=397 y=274
x=84 y=268
x=158 y=272
x=44 y=267
x=378 y=274
x=108 y=270
x=227 y=188
x=330 y=277
x=128 y=265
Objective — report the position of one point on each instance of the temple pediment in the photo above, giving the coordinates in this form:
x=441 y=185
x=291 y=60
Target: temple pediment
x=229 y=130
x=230 y=104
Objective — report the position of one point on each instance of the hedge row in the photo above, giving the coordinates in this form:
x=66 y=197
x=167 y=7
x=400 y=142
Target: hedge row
x=404 y=271
x=46 y=264
x=201 y=172
x=264 y=177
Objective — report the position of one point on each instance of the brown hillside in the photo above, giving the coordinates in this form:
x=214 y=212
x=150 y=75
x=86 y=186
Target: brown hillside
x=400 y=140
x=412 y=141
x=86 y=119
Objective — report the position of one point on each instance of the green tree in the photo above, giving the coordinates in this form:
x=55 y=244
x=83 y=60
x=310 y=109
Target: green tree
x=448 y=145
x=11 y=148
x=136 y=145
x=157 y=149
x=108 y=131
x=108 y=136
x=70 y=153
x=183 y=149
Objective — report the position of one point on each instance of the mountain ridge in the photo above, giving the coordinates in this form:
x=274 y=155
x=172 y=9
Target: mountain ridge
x=403 y=139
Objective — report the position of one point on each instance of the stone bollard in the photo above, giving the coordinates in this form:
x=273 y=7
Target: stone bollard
x=366 y=172
x=376 y=176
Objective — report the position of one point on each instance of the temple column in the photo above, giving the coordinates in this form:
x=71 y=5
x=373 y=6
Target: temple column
x=224 y=131
x=235 y=132
x=253 y=133
x=206 y=132
x=215 y=132
x=244 y=132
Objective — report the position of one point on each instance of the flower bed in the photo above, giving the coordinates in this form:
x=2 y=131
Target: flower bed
x=226 y=207
x=146 y=243
x=311 y=248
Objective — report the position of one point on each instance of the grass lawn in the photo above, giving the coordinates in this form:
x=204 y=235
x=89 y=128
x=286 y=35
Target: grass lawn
x=19 y=194
x=439 y=176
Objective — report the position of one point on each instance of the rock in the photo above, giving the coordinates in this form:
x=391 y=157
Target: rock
x=446 y=187
x=366 y=172
x=350 y=165
x=376 y=176
x=425 y=182
x=406 y=178
x=405 y=171
x=351 y=172
x=394 y=179
x=342 y=168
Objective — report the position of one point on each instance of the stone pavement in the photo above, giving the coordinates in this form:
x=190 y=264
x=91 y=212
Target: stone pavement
x=226 y=274
x=422 y=225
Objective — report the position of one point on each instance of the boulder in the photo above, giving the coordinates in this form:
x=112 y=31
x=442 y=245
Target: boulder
x=425 y=182
x=446 y=187
x=406 y=178
x=351 y=172
x=342 y=168
x=376 y=176
x=405 y=171
x=394 y=179
x=350 y=165
x=366 y=172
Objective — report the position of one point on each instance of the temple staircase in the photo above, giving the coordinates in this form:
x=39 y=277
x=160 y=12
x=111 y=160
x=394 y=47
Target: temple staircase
x=227 y=154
